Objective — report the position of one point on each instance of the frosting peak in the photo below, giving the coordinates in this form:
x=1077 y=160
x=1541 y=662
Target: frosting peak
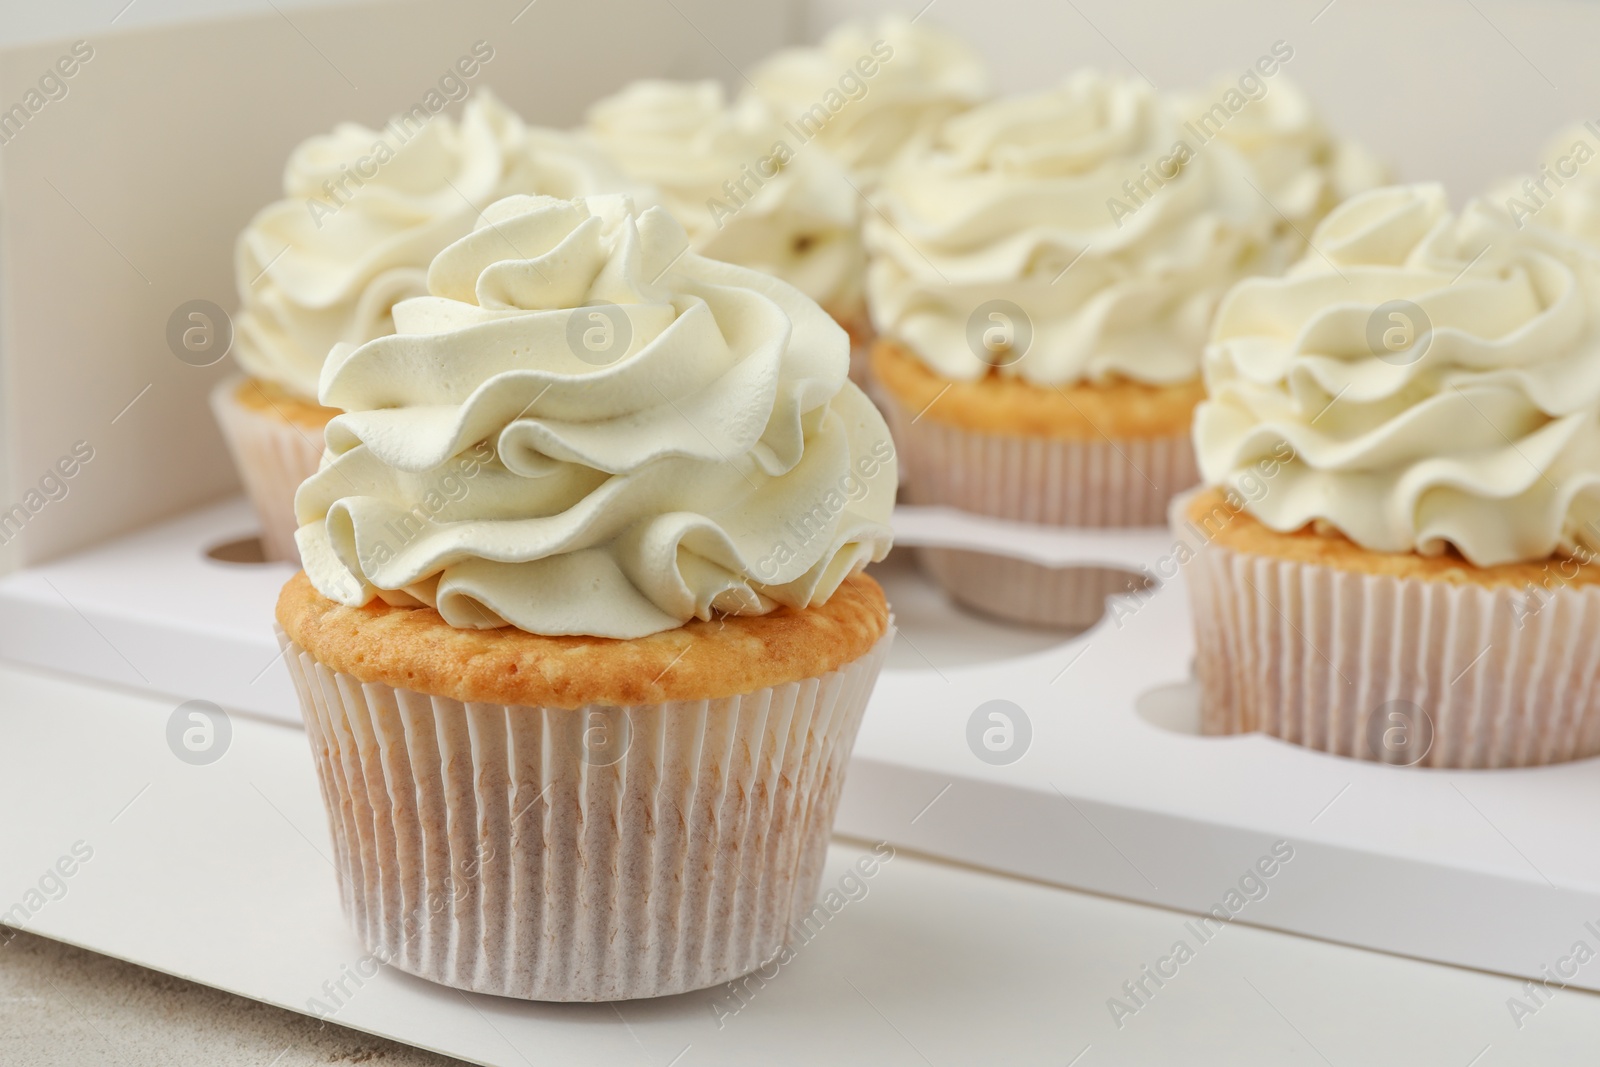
x=1435 y=377
x=747 y=189
x=1301 y=166
x=872 y=87
x=1564 y=193
x=1080 y=208
x=364 y=212
x=585 y=428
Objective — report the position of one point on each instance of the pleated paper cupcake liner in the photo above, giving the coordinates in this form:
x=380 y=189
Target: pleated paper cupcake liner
x=602 y=853
x=860 y=365
x=1397 y=670
x=273 y=456
x=1051 y=481
x=1041 y=480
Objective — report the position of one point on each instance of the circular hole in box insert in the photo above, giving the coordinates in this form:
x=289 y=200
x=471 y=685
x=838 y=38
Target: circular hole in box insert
x=242 y=550
x=931 y=632
x=1070 y=599
x=1174 y=707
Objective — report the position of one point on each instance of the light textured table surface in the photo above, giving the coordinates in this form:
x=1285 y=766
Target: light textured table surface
x=62 y=1006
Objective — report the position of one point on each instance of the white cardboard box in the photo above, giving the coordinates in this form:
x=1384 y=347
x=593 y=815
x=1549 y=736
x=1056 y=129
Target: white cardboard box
x=121 y=201
x=217 y=874
x=1112 y=789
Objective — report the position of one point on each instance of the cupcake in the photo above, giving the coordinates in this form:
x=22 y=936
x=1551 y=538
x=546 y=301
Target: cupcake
x=745 y=186
x=364 y=211
x=1042 y=275
x=1403 y=459
x=1298 y=163
x=871 y=88
x=582 y=642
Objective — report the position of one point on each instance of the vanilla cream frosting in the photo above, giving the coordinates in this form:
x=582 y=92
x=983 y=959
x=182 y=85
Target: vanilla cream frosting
x=1464 y=415
x=1056 y=203
x=364 y=211
x=747 y=189
x=1299 y=164
x=1564 y=193
x=587 y=429
x=870 y=88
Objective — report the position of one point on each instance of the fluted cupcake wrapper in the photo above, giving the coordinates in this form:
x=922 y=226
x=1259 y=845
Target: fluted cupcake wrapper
x=273 y=456
x=1398 y=670
x=601 y=853
x=1049 y=481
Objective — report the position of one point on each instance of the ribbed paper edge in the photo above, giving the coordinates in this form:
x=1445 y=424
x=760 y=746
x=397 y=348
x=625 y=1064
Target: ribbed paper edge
x=1041 y=480
x=1051 y=481
x=476 y=848
x=861 y=366
x=1308 y=653
x=273 y=457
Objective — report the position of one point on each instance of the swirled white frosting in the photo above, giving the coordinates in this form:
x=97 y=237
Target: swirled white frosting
x=359 y=224
x=1464 y=417
x=1299 y=164
x=872 y=87
x=512 y=455
x=1027 y=199
x=747 y=189
x=1564 y=193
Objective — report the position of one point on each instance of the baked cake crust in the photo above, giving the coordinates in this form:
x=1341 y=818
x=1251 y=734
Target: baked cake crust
x=1242 y=532
x=1005 y=404
x=271 y=400
x=414 y=648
